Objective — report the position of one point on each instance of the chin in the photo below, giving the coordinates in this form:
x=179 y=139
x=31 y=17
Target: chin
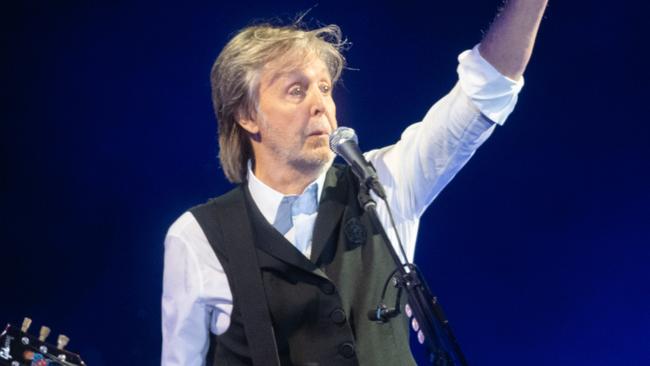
x=315 y=160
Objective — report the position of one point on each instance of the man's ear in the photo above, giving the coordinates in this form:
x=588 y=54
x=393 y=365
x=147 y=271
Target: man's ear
x=248 y=124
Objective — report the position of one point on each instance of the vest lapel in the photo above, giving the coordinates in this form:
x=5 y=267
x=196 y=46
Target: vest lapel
x=270 y=241
x=330 y=211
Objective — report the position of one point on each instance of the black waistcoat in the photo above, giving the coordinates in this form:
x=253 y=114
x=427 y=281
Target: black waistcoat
x=318 y=307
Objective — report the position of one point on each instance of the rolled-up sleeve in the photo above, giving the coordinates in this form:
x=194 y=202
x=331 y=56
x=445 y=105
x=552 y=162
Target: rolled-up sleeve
x=494 y=94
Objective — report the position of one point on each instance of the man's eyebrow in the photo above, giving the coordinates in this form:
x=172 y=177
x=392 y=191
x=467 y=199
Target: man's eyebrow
x=281 y=74
x=290 y=72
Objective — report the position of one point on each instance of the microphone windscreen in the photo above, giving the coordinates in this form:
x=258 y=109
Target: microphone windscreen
x=340 y=136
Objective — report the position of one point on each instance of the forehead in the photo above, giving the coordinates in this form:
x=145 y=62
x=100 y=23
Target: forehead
x=294 y=64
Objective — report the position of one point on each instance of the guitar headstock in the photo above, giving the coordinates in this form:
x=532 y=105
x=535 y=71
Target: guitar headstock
x=19 y=348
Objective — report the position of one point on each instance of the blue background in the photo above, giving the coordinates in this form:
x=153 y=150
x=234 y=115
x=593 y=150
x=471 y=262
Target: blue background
x=538 y=250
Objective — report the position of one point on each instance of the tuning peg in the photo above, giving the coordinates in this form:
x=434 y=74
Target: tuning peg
x=62 y=341
x=26 y=323
x=45 y=331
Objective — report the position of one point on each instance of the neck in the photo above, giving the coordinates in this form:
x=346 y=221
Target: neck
x=286 y=179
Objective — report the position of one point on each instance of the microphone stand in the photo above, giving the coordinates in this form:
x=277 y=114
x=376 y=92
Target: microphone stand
x=438 y=336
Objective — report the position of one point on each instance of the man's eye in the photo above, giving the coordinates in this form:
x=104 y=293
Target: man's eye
x=296 y=91
x=325 y=89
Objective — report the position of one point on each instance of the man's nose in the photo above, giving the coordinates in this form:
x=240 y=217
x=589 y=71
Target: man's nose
x=317 y=102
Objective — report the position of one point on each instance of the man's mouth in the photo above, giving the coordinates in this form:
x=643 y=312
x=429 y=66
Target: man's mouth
x=319 y=133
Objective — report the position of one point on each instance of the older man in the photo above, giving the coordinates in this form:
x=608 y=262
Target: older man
x=284 y=268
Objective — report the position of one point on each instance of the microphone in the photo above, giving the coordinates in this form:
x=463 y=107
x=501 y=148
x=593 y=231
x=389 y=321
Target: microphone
x=344 y=142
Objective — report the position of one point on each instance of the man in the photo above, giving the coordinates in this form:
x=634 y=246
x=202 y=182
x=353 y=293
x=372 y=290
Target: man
x=284 y=268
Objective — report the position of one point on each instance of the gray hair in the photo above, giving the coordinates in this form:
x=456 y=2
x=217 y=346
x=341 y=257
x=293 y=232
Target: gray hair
x=236 y=73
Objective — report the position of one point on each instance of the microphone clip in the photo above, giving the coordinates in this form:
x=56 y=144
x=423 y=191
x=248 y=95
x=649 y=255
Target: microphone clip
x=382 y=313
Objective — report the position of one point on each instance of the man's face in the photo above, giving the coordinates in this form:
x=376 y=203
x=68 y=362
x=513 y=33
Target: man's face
x=295 y=115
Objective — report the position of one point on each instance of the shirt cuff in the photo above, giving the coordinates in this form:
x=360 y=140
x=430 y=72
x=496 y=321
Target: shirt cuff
x=495 y=95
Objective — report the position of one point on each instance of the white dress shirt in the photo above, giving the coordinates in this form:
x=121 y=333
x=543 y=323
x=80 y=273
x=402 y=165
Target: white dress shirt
x=196 y=295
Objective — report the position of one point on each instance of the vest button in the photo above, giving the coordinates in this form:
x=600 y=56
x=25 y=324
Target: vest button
x=346 y=349
x=327 y=288
x=338 y=316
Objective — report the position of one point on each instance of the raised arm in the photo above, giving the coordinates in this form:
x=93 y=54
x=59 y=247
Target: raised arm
x=508 y=43
x=430 y=153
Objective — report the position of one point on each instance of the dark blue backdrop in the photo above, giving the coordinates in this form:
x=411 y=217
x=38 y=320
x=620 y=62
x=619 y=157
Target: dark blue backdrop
x=108 y=135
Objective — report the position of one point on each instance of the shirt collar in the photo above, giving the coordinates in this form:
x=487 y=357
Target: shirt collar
x=268 y=199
